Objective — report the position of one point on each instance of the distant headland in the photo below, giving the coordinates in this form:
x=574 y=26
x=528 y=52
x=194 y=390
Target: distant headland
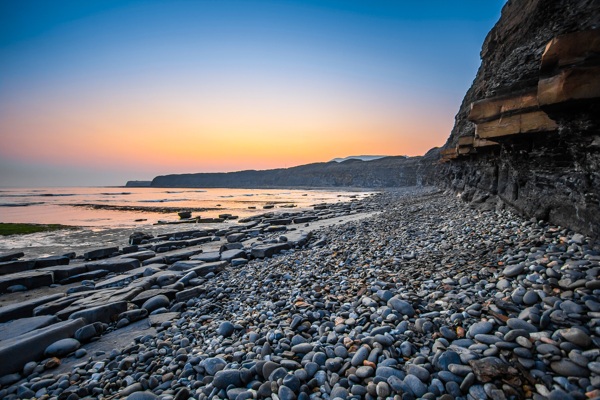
x=354 y=171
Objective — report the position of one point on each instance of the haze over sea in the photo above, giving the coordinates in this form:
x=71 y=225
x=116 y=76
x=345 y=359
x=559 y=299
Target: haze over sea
x=119 y=207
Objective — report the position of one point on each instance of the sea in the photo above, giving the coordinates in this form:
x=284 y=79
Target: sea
x=124 y=207
x=106 y=216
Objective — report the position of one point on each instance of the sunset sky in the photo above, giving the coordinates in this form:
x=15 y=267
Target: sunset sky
x=101 y=92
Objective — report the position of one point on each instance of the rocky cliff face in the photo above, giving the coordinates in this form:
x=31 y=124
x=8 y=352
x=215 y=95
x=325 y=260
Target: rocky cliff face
x=527 y=134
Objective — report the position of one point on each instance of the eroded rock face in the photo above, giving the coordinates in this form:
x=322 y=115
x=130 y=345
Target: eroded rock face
x=527 y=134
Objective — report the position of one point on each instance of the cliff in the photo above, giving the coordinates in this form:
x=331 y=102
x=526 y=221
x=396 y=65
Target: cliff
x=383 y=172
x=138 y=183
x=527 y=134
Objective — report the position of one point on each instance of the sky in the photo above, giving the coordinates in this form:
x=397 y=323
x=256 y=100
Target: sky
x=101 y=92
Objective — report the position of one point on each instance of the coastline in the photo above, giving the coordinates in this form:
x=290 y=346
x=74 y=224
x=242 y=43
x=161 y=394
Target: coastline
x=425 y=294
x=104 y=207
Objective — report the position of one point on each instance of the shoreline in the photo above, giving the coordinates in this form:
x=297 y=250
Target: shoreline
x=426 y=295
x=103 y=208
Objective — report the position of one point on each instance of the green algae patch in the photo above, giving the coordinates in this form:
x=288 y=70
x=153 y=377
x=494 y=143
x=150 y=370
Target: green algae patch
x=24 y=229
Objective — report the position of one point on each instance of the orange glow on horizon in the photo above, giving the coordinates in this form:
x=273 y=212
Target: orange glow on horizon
x=172 y=136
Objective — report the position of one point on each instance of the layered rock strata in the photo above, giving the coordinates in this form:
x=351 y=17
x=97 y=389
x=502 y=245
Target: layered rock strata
x=527 y=134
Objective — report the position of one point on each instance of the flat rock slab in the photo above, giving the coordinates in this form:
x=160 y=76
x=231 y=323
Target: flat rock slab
x=104 y=313
x=31 y=345
x=25 y=308
x=210 y=256
x=120 y=280
x=56 y=306
x=141 y=298
x=141 y=255
x=30 y=279
x=197 y=241
x=11 y=267
x=51 y=261
x=178 y=255
x=116 y=265
x=62 y=272
x=11 y=255
x=158 y=319
x=229 y=255
x=190 y=293
x=183 y=234
x=268 y=250
x=303 y=220
x=207 y=268
x=100 y=253
x=18 y=327
x=99 y=273
x=185 y=265
x=118 y=339
x=279 y=221
x=154 y=260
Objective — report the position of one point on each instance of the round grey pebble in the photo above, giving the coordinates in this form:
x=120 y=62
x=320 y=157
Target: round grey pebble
x=62 y=347
x=156 y=302
x=479 y=328
x=225 y=329
x=142 y=396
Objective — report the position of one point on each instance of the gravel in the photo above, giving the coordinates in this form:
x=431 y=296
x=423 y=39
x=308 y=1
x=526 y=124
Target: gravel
x=430 y=298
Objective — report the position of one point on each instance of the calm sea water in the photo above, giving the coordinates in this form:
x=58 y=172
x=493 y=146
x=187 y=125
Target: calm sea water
x=73 y=206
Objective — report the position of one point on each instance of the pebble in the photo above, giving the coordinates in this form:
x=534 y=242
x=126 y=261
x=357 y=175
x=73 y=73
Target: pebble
x=224 y=378
x=156 y=302
x=417 y=387
x=142 y=396
x=513 y=270
x=568 y=368
x=576 y=336
x=212 y=365
x=62 y=347
x=380 y=307
x=225 y=329
x=516 y=323
x=479 y=328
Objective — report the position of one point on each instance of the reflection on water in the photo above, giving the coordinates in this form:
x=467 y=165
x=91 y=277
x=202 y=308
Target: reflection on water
x=57 y=205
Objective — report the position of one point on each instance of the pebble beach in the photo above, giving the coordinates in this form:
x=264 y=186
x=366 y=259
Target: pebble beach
x=407 y=294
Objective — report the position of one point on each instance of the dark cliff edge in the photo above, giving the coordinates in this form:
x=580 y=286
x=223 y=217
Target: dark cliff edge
x=527 y=134
x=138 y=183
x=384 y=172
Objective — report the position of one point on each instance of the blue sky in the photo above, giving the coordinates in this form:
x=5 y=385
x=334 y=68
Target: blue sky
x=99 y=92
